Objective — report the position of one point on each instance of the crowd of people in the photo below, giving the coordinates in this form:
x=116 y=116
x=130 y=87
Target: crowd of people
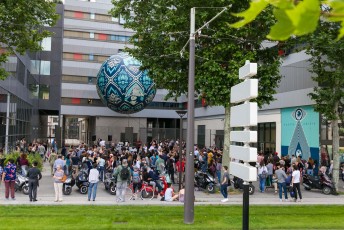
x=146 y=164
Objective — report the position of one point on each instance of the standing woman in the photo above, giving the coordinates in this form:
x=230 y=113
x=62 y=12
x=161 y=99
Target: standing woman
x=224 y=184
x=262 y=174
x=58 y=183
x=9 y=177
x=296 y=182
x=24 y=164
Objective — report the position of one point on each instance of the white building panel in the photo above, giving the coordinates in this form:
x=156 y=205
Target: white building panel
x=246 y=154
x=244 y=91
x=248 y=70
x=245 y=172
x=243 y=136
x=244 y=115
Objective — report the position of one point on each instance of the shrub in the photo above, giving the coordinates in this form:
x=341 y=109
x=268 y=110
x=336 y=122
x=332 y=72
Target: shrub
x=30 y=157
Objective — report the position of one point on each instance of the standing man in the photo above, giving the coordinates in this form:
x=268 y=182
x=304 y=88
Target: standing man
x=52 y=158
x=9 y=177
x=101 y=167
x=41 y=151
x=122 y=173
x=34 y=175
x=93 y=178
x=59 y=161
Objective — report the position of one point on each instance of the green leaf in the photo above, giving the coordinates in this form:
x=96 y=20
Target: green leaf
x=305 y=16
x=341 y=31
x=282 y=4
x=256 y=7
x=284 y=27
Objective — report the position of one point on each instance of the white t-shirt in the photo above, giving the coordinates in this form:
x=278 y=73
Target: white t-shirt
x=296 y=176
x=168 y=194
x=94 y=176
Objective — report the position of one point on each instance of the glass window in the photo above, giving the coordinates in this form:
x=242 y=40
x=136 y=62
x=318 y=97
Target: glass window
x=40 y=67
x=92 y=15
x=91 y=35
x=46 y=44
x=45 y=68
x=121 y=20
x=33 y=88
x=114 y=19
x=91 y=57
x=122 y=38
x=44 y=92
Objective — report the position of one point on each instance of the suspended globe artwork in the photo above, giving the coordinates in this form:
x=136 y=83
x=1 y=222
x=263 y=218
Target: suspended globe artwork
x=122 y=86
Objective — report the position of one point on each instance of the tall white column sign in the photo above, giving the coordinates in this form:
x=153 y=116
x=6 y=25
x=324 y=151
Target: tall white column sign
x=245 y=115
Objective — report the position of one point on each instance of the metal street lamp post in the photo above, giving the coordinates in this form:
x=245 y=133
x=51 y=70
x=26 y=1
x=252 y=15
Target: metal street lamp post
x=189 y=167
x=181 y=114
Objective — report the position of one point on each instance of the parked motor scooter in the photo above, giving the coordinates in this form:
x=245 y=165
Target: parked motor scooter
x=68 y=185
x=81 y=181
x=110 y=183
x=238 y=183
x=22 y=184
x=323 y=183
x=205 y=181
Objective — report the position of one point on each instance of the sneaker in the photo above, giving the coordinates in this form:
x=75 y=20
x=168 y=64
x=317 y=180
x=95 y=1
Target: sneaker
x=299 y=200
x=280 y=200
x=224 y=200
x=286 y=200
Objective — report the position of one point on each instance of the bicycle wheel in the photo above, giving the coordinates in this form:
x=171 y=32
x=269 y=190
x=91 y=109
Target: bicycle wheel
x=147 y=193
x=128 y=194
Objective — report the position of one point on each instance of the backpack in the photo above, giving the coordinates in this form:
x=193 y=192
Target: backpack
x=124 y=174
x=264 y=174
x=136 y=177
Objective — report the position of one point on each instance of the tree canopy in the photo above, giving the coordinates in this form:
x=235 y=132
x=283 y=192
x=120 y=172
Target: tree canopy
x=22 y=25
x=162 y=30
x=328 y=70
x=295 y=17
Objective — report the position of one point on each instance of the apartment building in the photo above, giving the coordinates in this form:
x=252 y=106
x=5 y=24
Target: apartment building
x=32 y=91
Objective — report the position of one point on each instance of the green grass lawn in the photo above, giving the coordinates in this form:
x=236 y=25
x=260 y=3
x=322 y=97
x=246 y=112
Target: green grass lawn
x=170 y=217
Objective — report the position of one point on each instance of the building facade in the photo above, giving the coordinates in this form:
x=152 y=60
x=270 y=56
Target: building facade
x=32 y=91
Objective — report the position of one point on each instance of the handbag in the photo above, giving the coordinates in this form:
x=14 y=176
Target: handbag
x=64 y=178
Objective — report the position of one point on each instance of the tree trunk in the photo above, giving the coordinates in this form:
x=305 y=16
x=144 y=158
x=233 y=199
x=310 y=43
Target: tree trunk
x=227 y=141
x=335 y=149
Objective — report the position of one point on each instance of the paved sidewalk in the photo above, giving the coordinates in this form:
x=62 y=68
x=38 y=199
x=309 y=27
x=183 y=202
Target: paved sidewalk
x=46 y=197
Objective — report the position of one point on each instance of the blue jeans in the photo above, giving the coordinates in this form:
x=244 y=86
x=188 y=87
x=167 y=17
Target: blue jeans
x=284 y=186
x=101 y=172
x=262 y=183
x=218 y=174
x=92 y=190
x=224 y=190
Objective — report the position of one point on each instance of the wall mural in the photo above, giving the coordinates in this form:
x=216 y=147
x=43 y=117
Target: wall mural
x=300 y=132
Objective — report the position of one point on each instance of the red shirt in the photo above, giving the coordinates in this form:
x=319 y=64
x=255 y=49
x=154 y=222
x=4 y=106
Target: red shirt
x=178 y=166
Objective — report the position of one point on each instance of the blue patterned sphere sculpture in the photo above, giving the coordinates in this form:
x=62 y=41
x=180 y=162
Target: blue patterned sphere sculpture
x=122 y=86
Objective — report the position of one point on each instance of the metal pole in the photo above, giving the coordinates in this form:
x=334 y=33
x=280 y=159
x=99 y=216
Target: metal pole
x=180 y=153
x=7 y=121
x=189 y=174
x=245 y=206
